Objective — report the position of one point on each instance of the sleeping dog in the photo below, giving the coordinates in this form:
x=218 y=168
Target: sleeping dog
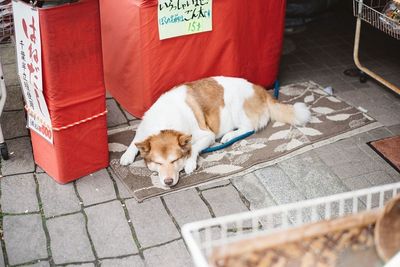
x=190 y=117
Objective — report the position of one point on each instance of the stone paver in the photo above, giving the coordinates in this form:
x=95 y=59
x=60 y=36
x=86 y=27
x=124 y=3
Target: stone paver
x=129 y=116
x=151 y=221
x=350 y=169
x=69 y=240
x=395 y=129
x=14 y=99
x=1 y=257
x=132 y=261
x=378 y=178
x=21 y=159
x=40 y=264
x=81 y=265
x=57 y=199
x=115 y=116
x=224 y=201
x=186 y=206
x=360 y=182
x=95 y=188
x=214 y=184
x=385 y=112
x=379 y=133
x=25 y=238
x=38 y=169
x=123 y=191
x=13 y=124
x=135 y=124
x=311 y=176
x=357 y=183
x=7 y=54
x=109 y=230
x=10 y=74
x=254 y=191
x=108 y=94
x=18 y=194
x=279 y=185
x=170 y=255
x=340 y=152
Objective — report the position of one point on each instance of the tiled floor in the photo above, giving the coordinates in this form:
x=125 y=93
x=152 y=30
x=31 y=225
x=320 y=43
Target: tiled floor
x=94 y=221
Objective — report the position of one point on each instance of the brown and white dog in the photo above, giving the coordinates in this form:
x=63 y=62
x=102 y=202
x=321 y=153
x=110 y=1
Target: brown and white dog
x=188 y=119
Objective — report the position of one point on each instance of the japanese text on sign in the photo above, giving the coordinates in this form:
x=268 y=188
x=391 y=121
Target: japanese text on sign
x=28 y=45
x=183 y=17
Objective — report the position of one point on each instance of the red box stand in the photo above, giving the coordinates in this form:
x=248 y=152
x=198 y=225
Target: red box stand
x=74 y=90
x=246 y=41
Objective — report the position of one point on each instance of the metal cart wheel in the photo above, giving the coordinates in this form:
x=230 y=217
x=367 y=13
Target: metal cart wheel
x=354 y=72
x=4 y=151
x=363 y=77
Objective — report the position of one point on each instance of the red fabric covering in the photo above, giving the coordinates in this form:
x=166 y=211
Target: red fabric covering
x=246 y=42
x=74 y=90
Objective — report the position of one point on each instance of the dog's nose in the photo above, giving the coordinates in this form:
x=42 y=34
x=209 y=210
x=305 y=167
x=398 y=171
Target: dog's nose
x=168 y=181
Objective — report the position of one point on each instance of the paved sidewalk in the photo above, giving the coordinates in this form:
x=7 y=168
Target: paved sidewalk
x=94 y=221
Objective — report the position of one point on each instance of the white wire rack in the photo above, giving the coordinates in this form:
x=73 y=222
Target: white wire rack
x=6 y=21
x=204 y=236
x=370 y=12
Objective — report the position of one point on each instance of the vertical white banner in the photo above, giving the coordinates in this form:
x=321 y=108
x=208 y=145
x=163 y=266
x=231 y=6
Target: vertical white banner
x=29 y=57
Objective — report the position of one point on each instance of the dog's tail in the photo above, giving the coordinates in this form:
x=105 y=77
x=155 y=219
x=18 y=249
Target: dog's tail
x=297 y=114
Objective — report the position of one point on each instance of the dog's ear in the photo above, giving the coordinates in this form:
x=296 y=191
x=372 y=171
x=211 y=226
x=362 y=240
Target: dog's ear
x=184 y=140
x=184 y=143
x=144 y=147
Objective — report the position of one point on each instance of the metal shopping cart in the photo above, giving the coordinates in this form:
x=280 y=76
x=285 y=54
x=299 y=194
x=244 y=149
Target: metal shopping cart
x=370 y=11
x=221 y=241
x=6 y=31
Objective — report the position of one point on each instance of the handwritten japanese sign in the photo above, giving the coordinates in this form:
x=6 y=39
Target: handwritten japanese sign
x=29 y=57
x=183 y=17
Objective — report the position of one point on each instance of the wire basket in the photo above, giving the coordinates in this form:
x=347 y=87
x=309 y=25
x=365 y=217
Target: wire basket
x=370 y=11
x=206 y=237
x=6 y=21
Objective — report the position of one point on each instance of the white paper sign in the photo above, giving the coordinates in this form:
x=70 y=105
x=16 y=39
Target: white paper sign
x=29 y=57
x=183 y=17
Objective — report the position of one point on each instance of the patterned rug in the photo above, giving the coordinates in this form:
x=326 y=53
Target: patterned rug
x=332 y=120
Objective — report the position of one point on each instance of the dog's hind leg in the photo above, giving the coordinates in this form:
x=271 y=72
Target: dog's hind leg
x=201 y=140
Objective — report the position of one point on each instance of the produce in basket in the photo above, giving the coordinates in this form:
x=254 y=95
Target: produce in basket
x=392 y=11
x=365 y=239
x=387 y=230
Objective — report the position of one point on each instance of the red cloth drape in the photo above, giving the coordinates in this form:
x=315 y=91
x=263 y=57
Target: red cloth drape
x=246 y=42
x=73 y=86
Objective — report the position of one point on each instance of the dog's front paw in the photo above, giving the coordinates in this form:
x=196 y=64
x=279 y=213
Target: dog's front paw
x=190 y=165
x=127 y=158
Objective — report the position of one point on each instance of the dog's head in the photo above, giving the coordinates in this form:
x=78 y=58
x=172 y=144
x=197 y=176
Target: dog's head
x=166 y=154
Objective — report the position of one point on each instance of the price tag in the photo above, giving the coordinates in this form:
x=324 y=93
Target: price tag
x=183 y=17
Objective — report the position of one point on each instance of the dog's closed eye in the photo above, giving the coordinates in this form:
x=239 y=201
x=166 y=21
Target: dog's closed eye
x=175 y=160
